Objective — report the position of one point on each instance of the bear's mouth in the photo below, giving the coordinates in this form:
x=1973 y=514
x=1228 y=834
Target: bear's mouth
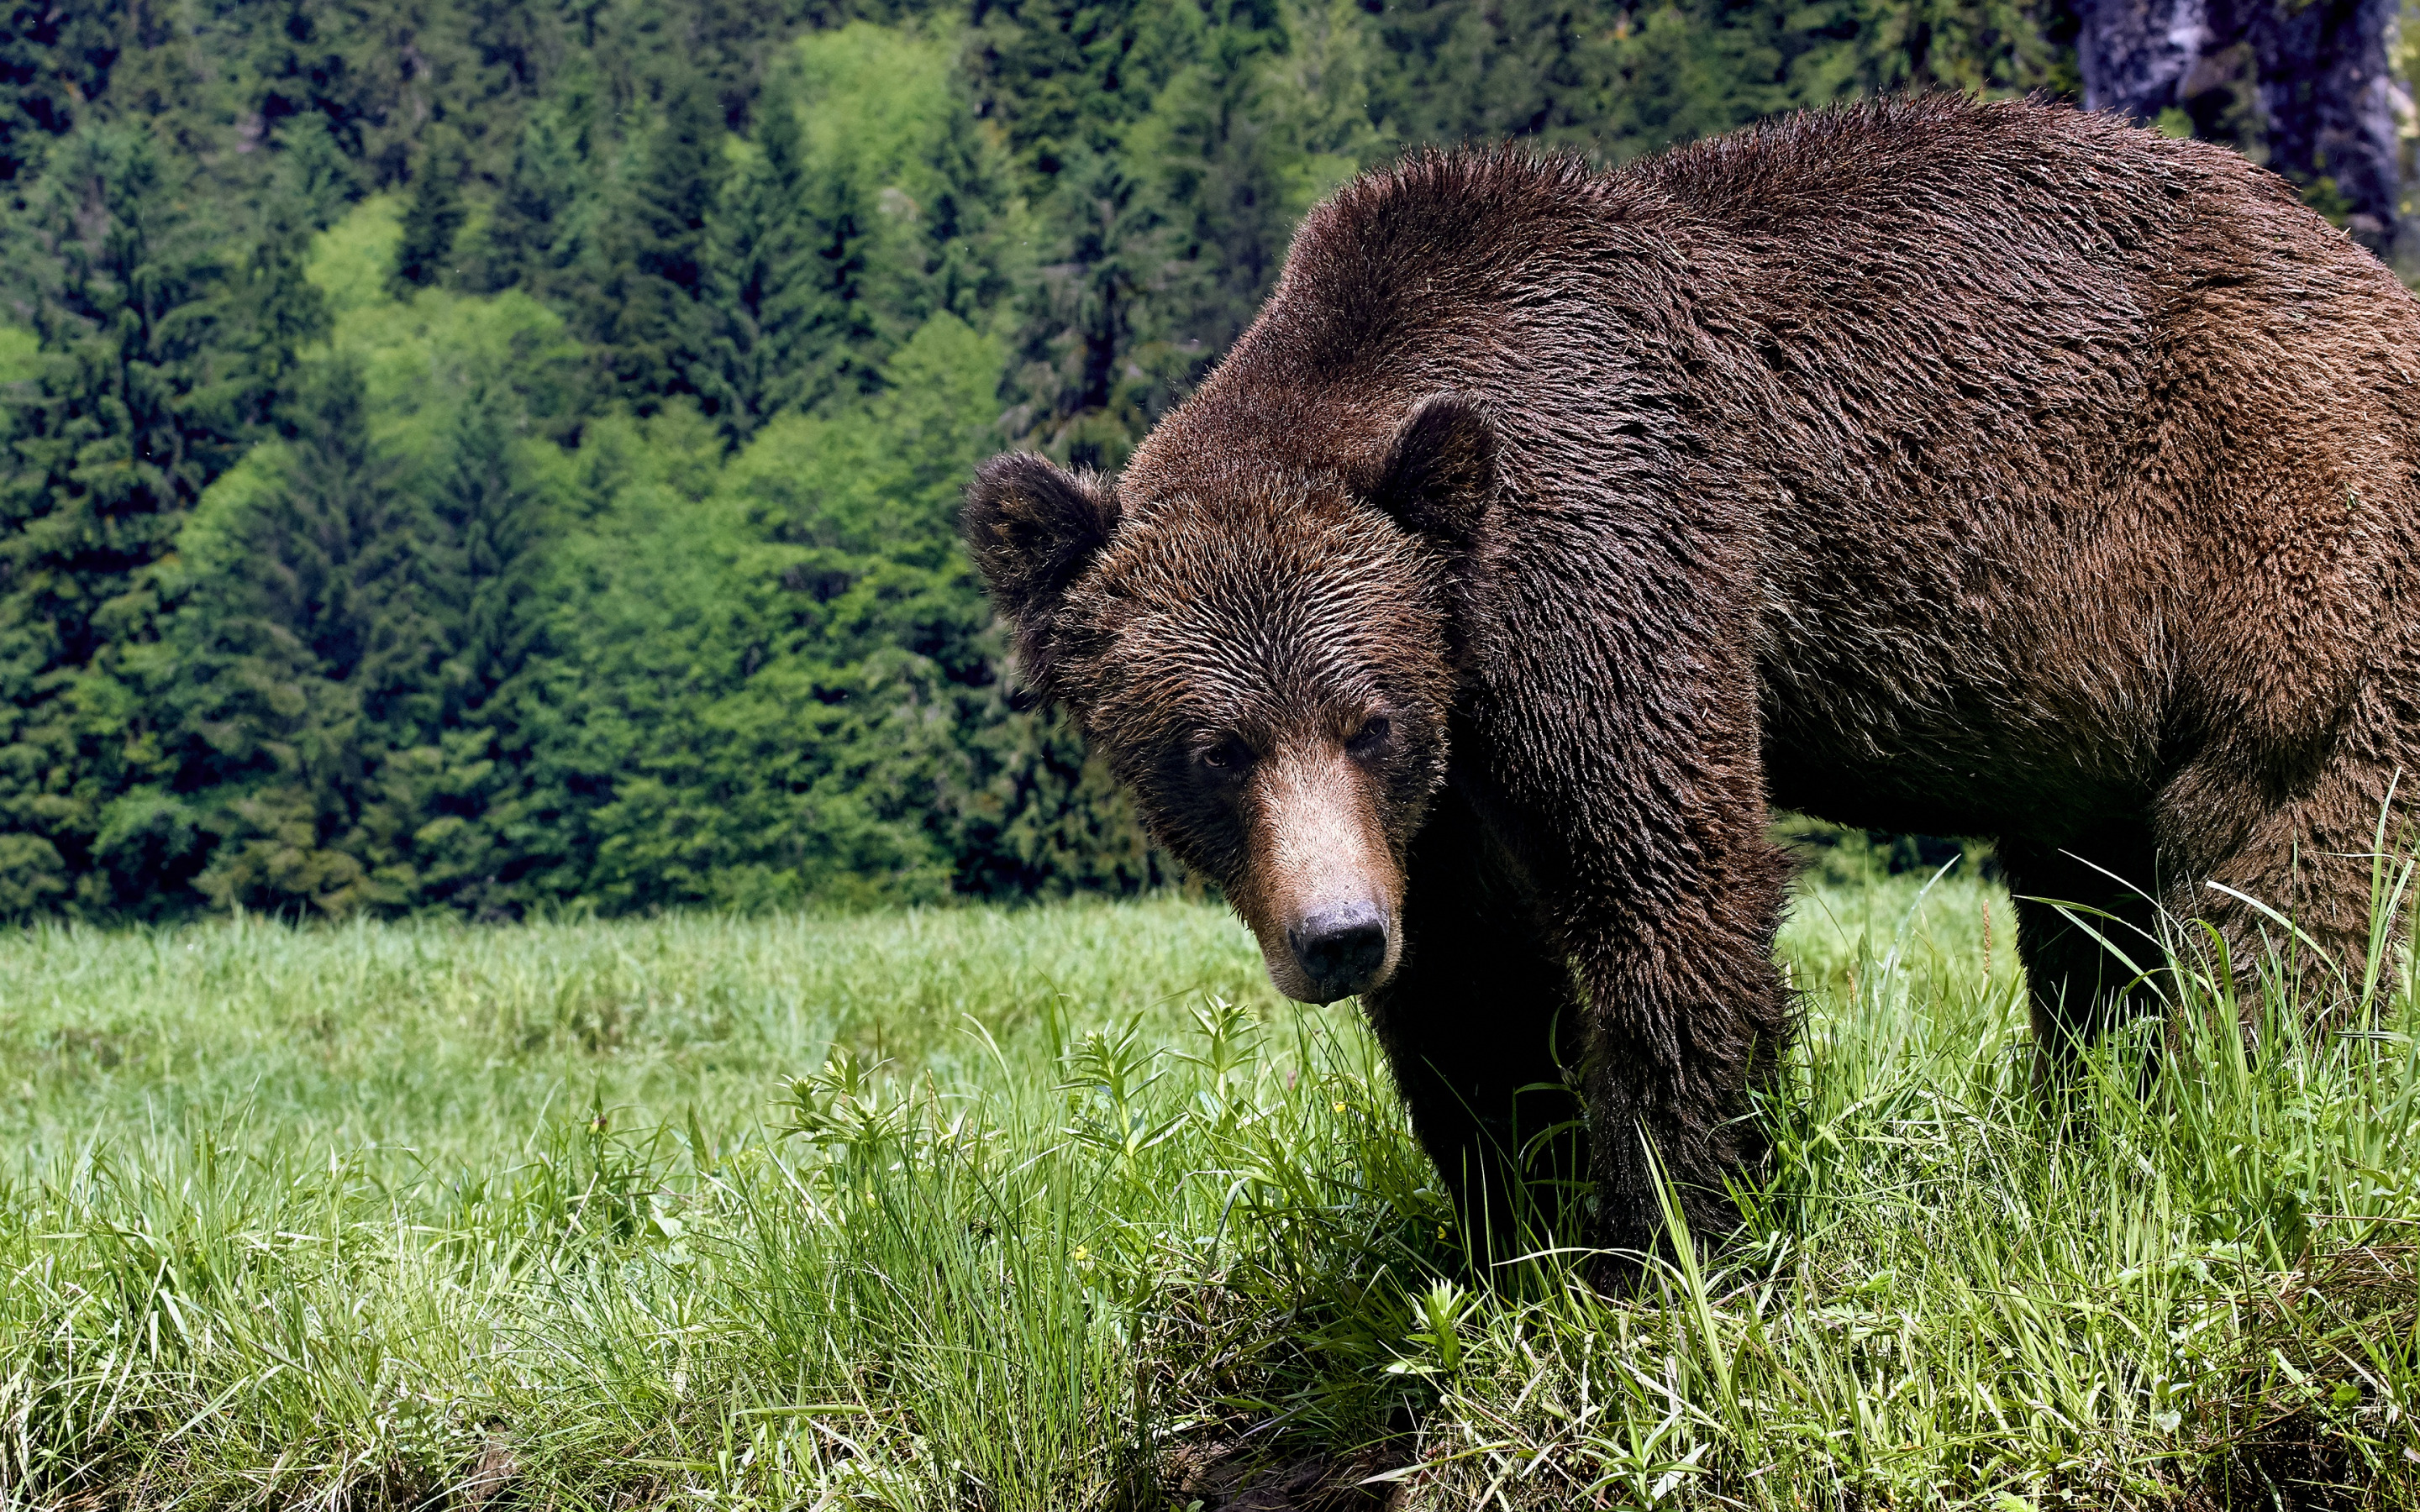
x=1323 y=895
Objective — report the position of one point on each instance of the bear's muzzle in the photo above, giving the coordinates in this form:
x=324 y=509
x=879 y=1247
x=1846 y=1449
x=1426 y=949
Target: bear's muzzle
x=1324 y=891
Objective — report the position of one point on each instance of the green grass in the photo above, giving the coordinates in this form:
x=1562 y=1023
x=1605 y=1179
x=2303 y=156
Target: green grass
x=980 y=1209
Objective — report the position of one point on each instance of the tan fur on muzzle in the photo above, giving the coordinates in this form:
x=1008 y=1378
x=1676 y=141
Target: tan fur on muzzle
x=1317 y=851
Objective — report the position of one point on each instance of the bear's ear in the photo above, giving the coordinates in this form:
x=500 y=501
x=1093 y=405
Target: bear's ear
x=1032 y=528
x=1442 y=470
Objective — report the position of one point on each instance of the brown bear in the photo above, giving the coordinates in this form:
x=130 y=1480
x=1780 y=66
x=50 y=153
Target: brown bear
x=1984 y=470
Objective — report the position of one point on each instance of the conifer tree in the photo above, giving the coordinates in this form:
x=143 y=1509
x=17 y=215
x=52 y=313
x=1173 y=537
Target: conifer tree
x=845 y=336
x=968 y=273
x=316 y=180
x=525 y=234
x=1085 y=366
x=1065 y=77
x=54 y=62
x=1212 y=147
x=459 y=793
x=762 y=276
x=1535 y=68
x=307 y=654
x=435 y=217
x=649 y=321
x=276 y=312
x=1052 y=821
x=154 y=361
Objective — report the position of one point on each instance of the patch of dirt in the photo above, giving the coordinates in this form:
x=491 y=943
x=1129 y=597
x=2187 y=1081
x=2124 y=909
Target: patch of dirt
x=1229 y=1476
x=488 y=1478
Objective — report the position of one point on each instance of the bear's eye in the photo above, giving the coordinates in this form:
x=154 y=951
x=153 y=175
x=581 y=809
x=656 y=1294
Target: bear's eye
x=1372 y=734
x=1230 y=755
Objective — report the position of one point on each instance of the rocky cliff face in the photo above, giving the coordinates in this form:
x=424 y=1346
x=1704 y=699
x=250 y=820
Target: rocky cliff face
x=2327 y=90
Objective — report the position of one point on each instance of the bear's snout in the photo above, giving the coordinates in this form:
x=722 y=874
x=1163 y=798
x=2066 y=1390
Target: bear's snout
x=1340 y=950
x=1321 y=887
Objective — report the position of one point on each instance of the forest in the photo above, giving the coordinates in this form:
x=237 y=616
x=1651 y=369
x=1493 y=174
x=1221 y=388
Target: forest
x=500 y=457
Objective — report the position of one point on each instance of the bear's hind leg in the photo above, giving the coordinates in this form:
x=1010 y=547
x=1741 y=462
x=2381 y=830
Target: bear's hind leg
x=2079 y=985
x=2306 y=854
x=1477 y=1022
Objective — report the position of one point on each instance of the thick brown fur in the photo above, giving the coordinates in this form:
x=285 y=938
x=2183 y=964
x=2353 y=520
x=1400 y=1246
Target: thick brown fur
x=1988 y=470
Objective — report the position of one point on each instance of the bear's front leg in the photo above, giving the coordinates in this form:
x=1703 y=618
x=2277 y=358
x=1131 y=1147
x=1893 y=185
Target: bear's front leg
x=1687 y=1014
x=1478 y=1024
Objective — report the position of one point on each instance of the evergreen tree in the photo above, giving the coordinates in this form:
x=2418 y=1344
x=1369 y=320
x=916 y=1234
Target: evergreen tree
x=435 y=218
x=1065 y=77
x=840 y=351
x=1213 y=144
x=525 y=233
x=154 y=361
x=488 y=527
x=1087 y=371
x=967 y=220
x=1526 y=67
x=459 y=794
x=1972 y=46
x=1052 y=821
x=278 y=312
x=306 y=654
x=54 y=63
x=648 y=321
x=762 y=276
x=1613 y=80
x=316 y=180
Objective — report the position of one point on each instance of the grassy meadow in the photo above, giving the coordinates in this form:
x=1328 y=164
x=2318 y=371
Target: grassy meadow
x=1061 y=1207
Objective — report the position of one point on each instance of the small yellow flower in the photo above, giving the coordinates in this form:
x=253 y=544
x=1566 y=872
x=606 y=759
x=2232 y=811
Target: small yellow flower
x=1340 y=1108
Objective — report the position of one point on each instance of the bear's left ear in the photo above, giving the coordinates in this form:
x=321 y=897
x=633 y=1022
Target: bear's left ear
x=1442 y=470
x=1032 y=528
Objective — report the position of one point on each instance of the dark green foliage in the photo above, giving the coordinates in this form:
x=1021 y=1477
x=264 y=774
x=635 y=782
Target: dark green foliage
x=158 y=359
x=318 y=181
x=761 y=283
x=646 y=317
x=1065 y=77
x=1529 y=68
x=435 y=218
x=345 y=663
x=963 y=224
x=2001 y=45
x=531 y=236
x=1088 y=367
x=54 y=60
x=843 y=333
x=303 y=656
x=1216 y=145
x=666 y=219
x=466 y=775
x=503 y=457
x=1054 y=823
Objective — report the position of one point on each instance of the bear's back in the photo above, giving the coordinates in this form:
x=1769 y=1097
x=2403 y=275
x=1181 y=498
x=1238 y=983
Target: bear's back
x=1936 y=175
x=1988 y=383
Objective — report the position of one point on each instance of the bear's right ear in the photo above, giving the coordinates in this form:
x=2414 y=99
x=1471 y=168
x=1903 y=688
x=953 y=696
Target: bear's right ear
x=1441 y=471
x=1032 y=528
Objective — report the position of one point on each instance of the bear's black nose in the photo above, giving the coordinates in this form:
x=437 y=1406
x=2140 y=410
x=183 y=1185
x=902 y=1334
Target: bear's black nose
x=1340 y=948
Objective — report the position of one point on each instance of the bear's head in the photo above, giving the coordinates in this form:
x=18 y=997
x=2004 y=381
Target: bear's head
x=1264 y=653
